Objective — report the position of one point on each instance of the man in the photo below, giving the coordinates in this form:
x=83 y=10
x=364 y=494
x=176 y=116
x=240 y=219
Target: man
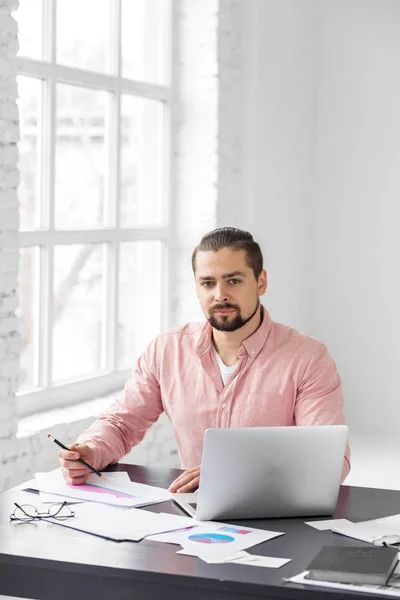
x=237 y=369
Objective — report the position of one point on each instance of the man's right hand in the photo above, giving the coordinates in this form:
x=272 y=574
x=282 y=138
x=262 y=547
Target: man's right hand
x=74 y=472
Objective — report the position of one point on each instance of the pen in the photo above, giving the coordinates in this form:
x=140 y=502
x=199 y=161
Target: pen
x=80 y=460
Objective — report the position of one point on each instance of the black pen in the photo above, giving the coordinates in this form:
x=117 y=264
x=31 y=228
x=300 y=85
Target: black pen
x=80 y=460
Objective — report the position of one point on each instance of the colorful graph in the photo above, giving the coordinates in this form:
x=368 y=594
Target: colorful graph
x=211 y=538
x=234 y=530
x=92 y=487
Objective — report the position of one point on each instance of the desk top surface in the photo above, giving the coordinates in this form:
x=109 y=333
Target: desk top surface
x=40 y=551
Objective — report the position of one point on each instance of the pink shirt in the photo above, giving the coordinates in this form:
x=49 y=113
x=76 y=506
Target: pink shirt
x=284 y=377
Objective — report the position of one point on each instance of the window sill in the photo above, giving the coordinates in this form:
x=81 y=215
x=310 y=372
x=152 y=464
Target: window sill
x=28 y=426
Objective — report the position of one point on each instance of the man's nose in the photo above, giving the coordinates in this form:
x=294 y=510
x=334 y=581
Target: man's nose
x=221 y=293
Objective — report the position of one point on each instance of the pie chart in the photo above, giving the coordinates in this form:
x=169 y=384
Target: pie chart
x=211 y=538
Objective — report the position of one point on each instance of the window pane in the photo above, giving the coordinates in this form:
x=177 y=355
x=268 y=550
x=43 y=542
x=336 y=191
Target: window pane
x=80 y=157
x=144 y=31
x=78 y=310
x=141 y=161
x=29 y=104
x=30 y=28
x=28 y=313
x=139 y=305
x=82 y=33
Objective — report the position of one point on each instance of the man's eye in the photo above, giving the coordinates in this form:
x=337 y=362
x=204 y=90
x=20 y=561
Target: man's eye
x=207 y=284
x=234 y=281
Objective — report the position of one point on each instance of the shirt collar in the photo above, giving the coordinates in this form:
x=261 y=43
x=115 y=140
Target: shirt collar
x=252 y=345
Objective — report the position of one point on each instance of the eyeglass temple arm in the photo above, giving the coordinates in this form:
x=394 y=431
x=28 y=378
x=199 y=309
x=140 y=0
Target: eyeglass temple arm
x=61 y=507
x=20 y=508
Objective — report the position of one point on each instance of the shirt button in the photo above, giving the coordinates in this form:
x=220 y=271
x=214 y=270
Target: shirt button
x=224 y=405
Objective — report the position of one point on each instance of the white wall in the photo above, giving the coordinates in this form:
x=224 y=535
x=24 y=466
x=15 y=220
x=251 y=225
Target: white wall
x=280 y=124
x=194 y=163
x=323 y=152
x=356 y=298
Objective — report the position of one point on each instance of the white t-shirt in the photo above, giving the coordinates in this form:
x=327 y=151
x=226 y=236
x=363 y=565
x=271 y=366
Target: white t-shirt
x=226 y=372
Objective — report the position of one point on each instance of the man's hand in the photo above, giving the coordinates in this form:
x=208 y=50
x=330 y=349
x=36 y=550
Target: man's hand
x=187 y=482
x=74 y=472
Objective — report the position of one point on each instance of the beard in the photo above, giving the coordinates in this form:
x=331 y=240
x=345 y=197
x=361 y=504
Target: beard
x=236 y=323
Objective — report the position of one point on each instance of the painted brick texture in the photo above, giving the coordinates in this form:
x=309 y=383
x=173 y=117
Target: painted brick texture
x=9 y=337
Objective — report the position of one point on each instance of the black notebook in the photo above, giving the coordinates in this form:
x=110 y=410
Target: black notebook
x=353 y=564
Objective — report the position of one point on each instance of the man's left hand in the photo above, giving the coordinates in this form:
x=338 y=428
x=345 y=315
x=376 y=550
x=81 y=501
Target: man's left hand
x=187 y=482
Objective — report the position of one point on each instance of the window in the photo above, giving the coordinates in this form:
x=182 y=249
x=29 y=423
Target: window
x=94 y=205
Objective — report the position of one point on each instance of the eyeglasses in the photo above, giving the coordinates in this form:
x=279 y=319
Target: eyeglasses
x=387 y=540
x=26 y=512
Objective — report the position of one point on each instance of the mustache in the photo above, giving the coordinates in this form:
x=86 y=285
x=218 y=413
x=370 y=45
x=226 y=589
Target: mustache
x=223 y=307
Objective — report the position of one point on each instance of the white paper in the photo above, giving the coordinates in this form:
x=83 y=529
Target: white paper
x=176 y=537
x=51 y=498
x=185 y=501
x=242 y=554
x=240 y=538
x=328 y=524
x=32 y=499
x=167 y=522
x=115 y=478
x=109 y=521
x=218 y=559
x=212 y=552
x=254 y=560
x=30 y=484
x=369 y=531
x=100 y=519
x=382 y=590
x=117 y=490
x=217 y=554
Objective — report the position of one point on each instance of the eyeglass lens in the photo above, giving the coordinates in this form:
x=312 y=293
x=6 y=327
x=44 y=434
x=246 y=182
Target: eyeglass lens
x=25 y=512
x=60 y=511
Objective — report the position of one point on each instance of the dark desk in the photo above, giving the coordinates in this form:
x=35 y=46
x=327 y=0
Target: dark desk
x=48 y=562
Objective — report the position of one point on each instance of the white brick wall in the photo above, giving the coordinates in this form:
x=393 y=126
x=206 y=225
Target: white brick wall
x=9 y=448
x=195 y=142
x=206 y=183
x=209 y=101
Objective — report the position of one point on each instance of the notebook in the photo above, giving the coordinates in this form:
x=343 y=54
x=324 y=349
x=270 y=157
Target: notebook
x=353 y=564
x=376 y=531
x=391 y=589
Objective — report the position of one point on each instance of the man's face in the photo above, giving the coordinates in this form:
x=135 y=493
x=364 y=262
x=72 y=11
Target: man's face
x=227 y=288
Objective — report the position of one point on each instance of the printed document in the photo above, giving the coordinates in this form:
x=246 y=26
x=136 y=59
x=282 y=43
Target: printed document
x=130 y=525
x=220 y=538
x=118 y=490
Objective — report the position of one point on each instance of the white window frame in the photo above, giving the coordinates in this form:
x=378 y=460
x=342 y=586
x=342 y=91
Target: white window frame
x=49 y=395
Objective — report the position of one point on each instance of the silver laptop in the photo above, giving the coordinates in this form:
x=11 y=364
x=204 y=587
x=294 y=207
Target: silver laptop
x=261 y=472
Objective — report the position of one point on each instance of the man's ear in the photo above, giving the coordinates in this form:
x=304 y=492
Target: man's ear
x=262 y=282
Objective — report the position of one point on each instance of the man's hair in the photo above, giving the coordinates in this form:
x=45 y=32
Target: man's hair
x=236 y=239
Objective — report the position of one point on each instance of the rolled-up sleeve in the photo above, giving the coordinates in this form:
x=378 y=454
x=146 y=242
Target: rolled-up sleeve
x=125 y=422
x=319 y=397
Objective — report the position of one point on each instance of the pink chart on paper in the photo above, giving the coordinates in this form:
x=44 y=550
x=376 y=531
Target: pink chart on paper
x=211 y=538
x=91 y=487
x=230 y=529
